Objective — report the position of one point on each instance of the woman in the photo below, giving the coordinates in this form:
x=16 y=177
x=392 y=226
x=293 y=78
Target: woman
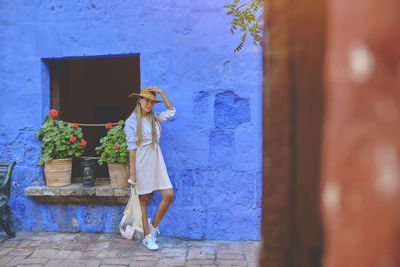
x=147 y=167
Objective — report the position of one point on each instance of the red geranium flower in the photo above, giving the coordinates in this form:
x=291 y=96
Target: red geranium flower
x=83 y=142
x=115 y=146
x=72 y=138
x=108 y=125
x=74 y=125
x=53 y=113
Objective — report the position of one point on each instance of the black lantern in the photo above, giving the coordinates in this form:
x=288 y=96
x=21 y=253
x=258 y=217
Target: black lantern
x=88 y=177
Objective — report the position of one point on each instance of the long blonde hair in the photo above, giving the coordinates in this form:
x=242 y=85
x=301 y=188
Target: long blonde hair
x=139 y=127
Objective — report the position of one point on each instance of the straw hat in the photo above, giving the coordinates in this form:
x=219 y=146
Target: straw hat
x=147 y=94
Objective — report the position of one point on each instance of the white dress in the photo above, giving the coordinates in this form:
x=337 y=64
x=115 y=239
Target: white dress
x=151 y=172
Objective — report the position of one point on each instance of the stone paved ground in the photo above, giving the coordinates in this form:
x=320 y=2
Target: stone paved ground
x=86 y=249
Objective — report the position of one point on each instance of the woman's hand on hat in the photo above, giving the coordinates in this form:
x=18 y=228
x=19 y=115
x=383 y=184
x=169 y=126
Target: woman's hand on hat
x=156 y=89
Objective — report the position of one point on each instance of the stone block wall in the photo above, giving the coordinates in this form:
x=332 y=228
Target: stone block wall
x=212 y=147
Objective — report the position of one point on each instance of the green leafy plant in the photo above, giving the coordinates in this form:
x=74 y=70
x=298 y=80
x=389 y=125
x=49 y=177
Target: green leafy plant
x=113 y=147
x=247 y=18
x=60 y=140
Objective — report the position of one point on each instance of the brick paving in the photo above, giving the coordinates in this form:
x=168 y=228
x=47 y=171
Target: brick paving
x=103 y=249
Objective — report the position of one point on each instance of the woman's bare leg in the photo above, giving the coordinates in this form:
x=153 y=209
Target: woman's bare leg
x=167 y=196
x=143 y=199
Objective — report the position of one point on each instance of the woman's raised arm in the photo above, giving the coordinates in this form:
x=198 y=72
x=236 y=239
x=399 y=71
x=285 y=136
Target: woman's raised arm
x=167 y=103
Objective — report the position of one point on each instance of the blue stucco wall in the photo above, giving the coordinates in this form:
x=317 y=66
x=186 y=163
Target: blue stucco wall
x=213 y=145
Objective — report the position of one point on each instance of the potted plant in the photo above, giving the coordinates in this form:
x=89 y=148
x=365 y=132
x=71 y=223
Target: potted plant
x=60 y=143
x=113 y=150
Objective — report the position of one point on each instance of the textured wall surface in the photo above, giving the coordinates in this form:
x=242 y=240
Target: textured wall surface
x=213 y=145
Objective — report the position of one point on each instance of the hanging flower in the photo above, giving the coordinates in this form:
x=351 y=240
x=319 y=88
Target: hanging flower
x=115 y=147
x=72 y=138
x=83 y=142
x=53 y=113
x=74 y=125
x=108 y=125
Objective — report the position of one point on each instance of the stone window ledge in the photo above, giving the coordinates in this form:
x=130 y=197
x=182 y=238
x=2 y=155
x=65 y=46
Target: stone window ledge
x=76 y=193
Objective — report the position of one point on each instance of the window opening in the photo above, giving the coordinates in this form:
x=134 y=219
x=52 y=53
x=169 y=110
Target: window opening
x=94 y=90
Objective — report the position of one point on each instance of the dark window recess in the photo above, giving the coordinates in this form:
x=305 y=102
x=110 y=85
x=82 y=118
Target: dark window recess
x=94 y=90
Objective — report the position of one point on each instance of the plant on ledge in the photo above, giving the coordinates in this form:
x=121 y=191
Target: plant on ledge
x=113 y=150
x=60 y=140
x=60 y=143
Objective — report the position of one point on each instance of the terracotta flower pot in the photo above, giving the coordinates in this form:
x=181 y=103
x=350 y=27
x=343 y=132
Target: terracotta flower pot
x=119 y=174
x=58 y=172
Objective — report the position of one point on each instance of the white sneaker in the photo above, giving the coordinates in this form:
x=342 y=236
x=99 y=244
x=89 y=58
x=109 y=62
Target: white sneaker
x=153 y=231
x=149 y=243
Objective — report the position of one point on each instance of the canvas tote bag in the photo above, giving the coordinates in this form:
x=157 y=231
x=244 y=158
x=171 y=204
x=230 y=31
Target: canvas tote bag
x=131 y=226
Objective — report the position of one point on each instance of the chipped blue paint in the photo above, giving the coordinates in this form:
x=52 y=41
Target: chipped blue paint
x=212 y=147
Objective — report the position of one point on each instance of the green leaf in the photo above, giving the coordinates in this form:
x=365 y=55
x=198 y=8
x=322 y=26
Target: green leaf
x=55 y=136
x=248 y=17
